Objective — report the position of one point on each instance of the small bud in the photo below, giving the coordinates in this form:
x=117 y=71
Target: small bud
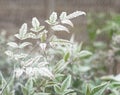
x=43 y=46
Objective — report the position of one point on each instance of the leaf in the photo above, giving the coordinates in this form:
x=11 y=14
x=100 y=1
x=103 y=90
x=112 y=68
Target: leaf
x=23 y=30
x=53 y=17
x=31 y=35
x=115 y=84
x=84 y=53
x=31 y=61
x=24 y=90
x=63 y=16
x=13 y=44
x=60 y=28
x=111 y=78
x=66 y=21
x=84 y=68
x=37 y=29
x=87 y=90
x=35 y=23
x=60 y=66
x=98 y=90
x=66 y=83
x=44 y=71
x=57 y=89
x=24 y=44
x=75 y=14
x=29 y=84
x=69 y=92
x=19 y=56
x=66 y=56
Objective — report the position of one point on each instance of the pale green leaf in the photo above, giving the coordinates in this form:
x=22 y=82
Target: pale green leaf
x=63 y=16
x=23 y=30
x=24 y=44
x=66 y=56
x=60 y=28
x=68 y=22
x=98 y=90
x=84 y=53
x=88 y=90
x=75 y=14
x=66 y=83
x=13 y=44
x=35 y=23
x=57 y=89
x=53 y=17
x=31 y=35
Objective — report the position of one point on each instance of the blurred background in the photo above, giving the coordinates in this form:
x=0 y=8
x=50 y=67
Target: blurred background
x=13 y=13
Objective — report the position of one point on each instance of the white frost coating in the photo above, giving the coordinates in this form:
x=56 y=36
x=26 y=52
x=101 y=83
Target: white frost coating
x=60 y=28
x=75 y=14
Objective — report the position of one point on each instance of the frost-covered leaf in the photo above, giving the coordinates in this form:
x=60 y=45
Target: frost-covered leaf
x=37 y=29
x=53 y=17
x=98 y=90
x=75 y=14
x=41 y=64
x=13 y=44
x=23 y=30
x=24 y=44
x=31 y=61
x=67 y=21
x=60 y=66
x=35 y=23
x=60 y=28
x=31 y=35
x=66 y=83
x=63 y=16
x=45 y=72
x=57 y=89
x=19 y=56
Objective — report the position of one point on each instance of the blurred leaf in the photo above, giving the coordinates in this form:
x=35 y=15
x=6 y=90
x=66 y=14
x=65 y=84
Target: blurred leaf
x=60 y=28
x=68 y=22
x=24 y=44
x=13 y=44
x=84 y=53
x=88 y=90
x=23 y=30
x=75 y=14
x=57 y=89
x=66 y=83
x=66 y=56
x=99 y=90
x=35 y=23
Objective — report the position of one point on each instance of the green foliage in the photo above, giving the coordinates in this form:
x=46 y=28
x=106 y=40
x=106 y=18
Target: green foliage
x=47 y=65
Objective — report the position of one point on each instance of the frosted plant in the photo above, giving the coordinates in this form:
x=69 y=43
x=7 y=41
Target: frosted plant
x=38 y=65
